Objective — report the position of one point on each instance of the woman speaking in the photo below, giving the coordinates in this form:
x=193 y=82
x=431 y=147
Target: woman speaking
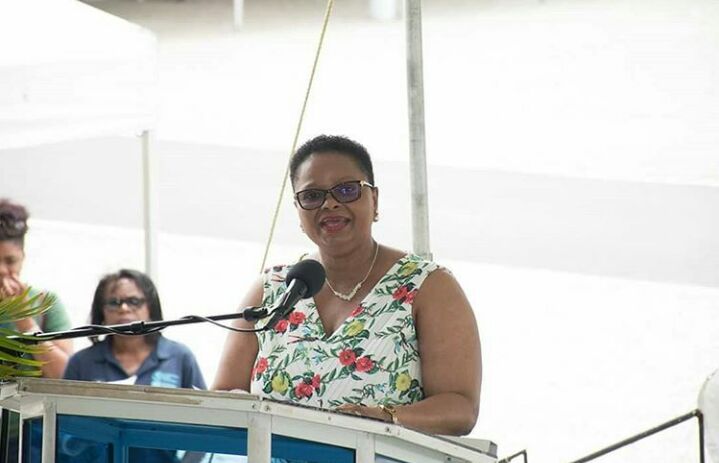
x=389 y=336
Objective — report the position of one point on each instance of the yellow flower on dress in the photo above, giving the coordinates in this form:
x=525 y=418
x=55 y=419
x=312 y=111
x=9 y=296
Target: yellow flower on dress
x=407 y=269
x=354 y=328
x=403 y=381
x=280 y=383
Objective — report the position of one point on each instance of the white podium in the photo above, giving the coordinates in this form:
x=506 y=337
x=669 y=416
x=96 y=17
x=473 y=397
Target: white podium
x=72 y=421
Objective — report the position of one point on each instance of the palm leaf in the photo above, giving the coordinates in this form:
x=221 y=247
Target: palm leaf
x=13 y=351
x=24 y=306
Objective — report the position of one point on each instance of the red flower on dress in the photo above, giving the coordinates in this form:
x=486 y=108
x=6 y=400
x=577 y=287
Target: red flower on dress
x=297 y=318
x=364 y=364
x=316 y=381
x=410 y=297
x=357 y=310
x=281 y=326
x=400 y=293
x=261 y=365
x=304 y=390
x=347 y=357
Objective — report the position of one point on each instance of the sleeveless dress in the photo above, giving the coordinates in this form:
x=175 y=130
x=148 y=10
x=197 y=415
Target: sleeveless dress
x=371 y=359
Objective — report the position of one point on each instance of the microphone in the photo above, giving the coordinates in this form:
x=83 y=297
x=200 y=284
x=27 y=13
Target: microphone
x=304 y=280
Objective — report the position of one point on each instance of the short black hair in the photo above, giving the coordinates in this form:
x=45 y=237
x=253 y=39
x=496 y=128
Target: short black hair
x=332 y=144
x=143 y=282
x=13 y=222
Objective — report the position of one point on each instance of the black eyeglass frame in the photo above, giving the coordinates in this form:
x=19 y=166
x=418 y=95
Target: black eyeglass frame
x=134 y=303
x=330 y=191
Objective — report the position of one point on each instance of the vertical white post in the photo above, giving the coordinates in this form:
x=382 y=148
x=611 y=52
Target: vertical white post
x=49 y=431
x=150 y=187
x=259 y=438
x=238 y=12
x=365 y=448
x=417 y=147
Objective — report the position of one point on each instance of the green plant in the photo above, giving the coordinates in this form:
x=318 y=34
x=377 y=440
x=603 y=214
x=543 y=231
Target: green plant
x=15 y=347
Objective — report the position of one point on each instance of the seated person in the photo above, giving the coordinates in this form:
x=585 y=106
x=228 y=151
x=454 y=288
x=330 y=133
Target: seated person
x=13 y=227
x=390 y=335
x=125 y=297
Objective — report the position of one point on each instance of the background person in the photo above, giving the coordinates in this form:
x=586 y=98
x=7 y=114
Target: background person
x=13 y=228
x=125 y=297
x=390 y=335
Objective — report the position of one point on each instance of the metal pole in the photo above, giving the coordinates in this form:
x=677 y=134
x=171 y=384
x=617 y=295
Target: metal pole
x=417 y=149
x=645 y=434
x=523 y=454
x=238 y=13
x=150 y=168
x=700 y=419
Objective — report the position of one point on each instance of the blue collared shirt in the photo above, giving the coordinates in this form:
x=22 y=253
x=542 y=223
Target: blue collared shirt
x=170 y=364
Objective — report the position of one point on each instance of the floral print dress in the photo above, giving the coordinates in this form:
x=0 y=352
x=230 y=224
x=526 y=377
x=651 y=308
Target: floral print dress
x=371 y=359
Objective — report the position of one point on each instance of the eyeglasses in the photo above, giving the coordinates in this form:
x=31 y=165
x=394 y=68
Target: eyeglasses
x=345 y=192
x=134 y=303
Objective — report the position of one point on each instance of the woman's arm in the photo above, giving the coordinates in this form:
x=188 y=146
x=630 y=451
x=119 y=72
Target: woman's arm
x=451 y=362
x=56 y=353
x=240 y=351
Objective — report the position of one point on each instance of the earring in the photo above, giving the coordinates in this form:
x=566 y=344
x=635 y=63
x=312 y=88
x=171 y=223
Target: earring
x=376 y=216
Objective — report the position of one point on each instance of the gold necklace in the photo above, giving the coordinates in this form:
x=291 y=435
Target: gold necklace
x=351 y=294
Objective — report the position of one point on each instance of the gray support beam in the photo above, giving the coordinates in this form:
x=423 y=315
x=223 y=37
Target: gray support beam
x=49 y=432
x=417 y=145
x=238 y=13
x=150 y=199
x=259 y=438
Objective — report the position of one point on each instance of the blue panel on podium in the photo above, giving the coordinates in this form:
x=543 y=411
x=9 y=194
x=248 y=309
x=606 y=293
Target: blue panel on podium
x=32 y=440
x=93 y=439
x=301 y=451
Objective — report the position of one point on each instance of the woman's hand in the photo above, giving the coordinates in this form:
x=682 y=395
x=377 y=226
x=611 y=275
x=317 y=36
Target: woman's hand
x=11 y=286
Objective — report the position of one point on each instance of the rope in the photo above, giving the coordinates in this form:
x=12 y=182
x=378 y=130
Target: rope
x=328 y=11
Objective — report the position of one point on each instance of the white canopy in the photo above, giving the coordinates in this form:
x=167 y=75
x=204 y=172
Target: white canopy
x=70 y=71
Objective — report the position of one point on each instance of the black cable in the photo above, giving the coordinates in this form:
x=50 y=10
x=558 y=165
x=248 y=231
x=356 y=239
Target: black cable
x=138 y=328
x=142 y=328
x=227 y=327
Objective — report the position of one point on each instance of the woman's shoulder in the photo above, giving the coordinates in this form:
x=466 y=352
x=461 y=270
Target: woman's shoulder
x=56 y=318
x=440 y=287
x=38 y=292
x=411 y=265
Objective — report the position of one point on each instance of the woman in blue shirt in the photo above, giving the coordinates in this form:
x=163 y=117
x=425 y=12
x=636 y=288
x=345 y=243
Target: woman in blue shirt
x=125 y=297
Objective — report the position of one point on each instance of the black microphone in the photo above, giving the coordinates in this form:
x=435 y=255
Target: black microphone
x=305 y=279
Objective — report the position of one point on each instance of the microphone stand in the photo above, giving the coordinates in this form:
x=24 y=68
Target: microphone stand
x=141 y=327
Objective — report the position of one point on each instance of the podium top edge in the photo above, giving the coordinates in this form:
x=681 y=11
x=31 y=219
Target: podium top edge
x=118 y=391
